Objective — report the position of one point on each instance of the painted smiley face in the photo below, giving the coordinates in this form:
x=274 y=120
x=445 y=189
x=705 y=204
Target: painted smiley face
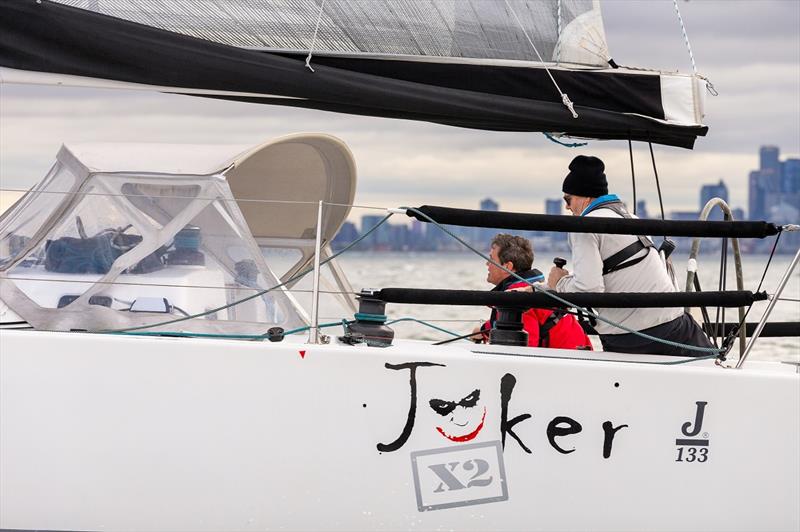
x=461 y=415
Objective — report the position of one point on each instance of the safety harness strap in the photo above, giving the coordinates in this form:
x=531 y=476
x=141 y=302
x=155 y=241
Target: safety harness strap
x=544 y=328
x=616 y=261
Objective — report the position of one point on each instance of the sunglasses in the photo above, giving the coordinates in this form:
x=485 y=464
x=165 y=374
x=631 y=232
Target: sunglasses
x=567 y=199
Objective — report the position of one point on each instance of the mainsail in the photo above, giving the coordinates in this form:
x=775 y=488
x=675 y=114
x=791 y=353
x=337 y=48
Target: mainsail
x=493 y=65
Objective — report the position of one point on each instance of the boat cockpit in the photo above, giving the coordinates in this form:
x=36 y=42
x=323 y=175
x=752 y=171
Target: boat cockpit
x=124 y=236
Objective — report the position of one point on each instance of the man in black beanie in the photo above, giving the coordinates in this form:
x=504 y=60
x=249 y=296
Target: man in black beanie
x=620 y=263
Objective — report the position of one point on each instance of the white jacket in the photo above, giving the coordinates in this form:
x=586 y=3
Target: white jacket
x=650 y=275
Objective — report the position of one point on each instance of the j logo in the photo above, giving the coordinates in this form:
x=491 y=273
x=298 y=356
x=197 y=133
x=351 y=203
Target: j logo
x=698 y=421
x=692 y=449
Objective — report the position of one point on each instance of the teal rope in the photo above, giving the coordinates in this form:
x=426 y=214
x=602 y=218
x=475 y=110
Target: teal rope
x=266 y=336
x=260 y=337
x=588 y=359
x=365 y=316
x=257 y=294
x=551 y=138
x=675 y=363
x=422 y=322
x=562 y=300
x=345 y=323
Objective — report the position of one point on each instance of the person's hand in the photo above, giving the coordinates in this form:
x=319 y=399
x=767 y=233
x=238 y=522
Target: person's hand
x=555 y=275
x=477 y=337
x=527 y=288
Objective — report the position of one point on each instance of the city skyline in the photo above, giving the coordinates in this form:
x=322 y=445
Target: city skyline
x=781 y=203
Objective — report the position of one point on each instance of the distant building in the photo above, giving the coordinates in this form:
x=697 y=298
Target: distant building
x=684 y=215
x=556 y=240
x=683 y=244
x=399 y=237
x=381 y=238
x=346 y=235
x=770 y=167
x=775 y=186
x=482 y=236
x=790 y=176
x=755 y=196
x=489 y=205
x=774 y=196
x=790 y=186
x=554 y=206
x=709 y=192
x=417 y=230
x=641 y=209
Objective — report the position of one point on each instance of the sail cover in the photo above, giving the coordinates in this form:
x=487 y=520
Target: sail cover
x=468 y=63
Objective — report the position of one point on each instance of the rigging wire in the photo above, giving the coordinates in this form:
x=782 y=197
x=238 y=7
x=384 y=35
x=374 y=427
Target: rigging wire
x=769 y=260
x=462 y=337
x=314 y=39
x=709 y=86
x=728 y=342
x=685 y=36
x=633 y=174
x=703 y=310
x=559 y=19
x=658 y=185
x=232 y=199
x=268 y=335
x=723 y=274
x=724 y=278
x=564 y=98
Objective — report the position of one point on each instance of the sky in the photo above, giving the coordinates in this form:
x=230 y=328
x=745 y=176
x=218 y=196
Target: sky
x=749 y=49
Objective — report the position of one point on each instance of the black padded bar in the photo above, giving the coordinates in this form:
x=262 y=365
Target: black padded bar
x=580 y=224
x=423 y=296
x=775 y=329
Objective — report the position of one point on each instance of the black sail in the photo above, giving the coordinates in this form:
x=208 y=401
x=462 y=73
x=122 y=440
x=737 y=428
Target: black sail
x=611 y=104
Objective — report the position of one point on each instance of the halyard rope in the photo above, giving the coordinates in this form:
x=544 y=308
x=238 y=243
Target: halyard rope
x=709 y=86
x=685 y=36
x=558 y=39
x=314 y=39
x=564 y=98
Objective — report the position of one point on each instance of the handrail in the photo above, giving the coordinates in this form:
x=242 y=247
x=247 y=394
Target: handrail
x=737 y=258
x=313 y=332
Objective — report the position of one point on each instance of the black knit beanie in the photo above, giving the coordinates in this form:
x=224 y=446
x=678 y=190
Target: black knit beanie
x=586 y=177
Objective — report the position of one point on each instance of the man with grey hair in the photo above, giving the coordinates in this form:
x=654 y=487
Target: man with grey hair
x=545 y=328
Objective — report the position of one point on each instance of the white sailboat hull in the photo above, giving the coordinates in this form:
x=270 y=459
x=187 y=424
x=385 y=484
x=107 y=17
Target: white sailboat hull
x=101 y=432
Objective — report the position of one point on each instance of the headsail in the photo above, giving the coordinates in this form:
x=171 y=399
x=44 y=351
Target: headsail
x=467 y=63
x=570 y=30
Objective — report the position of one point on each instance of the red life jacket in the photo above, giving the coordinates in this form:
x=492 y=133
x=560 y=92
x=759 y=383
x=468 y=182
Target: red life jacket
x=547 y=328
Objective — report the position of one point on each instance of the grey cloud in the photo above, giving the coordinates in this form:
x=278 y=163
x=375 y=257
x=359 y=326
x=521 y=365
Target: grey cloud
x=647 y=33
x=751 y=50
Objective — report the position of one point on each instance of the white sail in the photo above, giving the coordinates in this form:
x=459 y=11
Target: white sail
x=568 y=30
